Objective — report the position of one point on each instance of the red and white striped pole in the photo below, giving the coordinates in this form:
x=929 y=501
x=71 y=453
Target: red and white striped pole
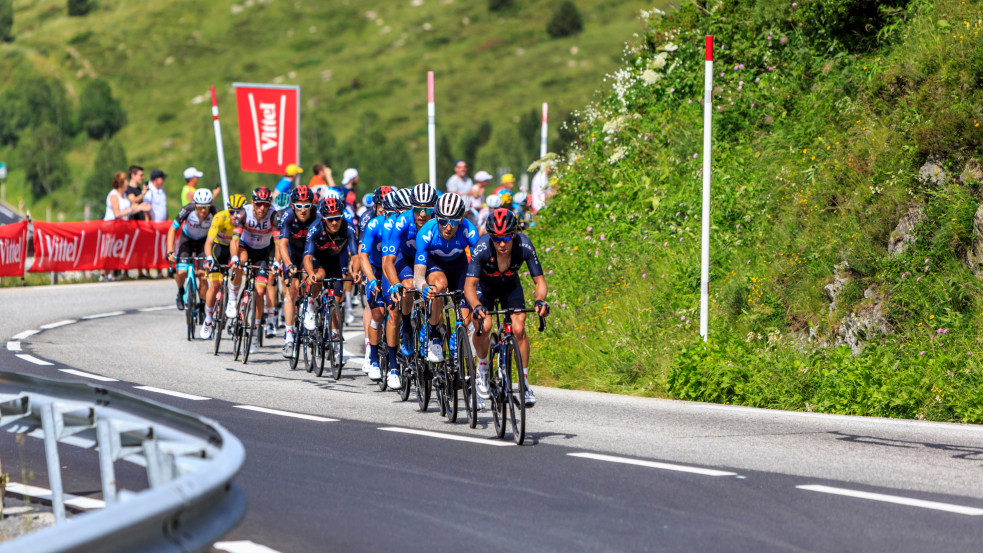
x=432 y=129
x=221 y=153
x=705 y=238
x=542 y=138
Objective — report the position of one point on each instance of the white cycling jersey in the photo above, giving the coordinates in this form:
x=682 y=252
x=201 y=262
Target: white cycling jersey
x=252 y=232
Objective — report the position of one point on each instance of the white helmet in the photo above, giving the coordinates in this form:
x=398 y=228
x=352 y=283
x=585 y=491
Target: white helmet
x=203 y=196
x=494 y=201
x=450 y=206
x=334 y=193
x=424 y=195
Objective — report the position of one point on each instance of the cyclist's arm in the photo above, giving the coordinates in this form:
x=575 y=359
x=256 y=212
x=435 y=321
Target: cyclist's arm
x=283 y=250
x=234 y=247
x=170 y=240
x=209 y=244
x=389 y=269
x=420 y=265
x=471 y=291
x=366 y=266
x=309 y=264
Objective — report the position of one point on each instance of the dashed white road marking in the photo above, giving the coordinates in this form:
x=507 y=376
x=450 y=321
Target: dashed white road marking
x=443 y=436
x=25 y=334
x=899 y=500
x=66 y=322
x=103 y=315
x=171 y=393
x=242 y=547
x=653 y=464
x=285 y=413
x=32 y=359
x=13 y=346
x=45 y=494
x=88 y=375
x=148 y=309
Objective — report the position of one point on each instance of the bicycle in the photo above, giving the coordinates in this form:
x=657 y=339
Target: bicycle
x=508 y=400
x=219 y=318
x=242 y=326
x=304 y=340
x=407 y=365
x=328 y=312
x=421 y=372
x=194 y=312
x=383 y=350
x=457 y=371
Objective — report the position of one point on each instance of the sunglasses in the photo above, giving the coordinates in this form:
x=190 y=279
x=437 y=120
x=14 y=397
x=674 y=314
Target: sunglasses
x=448 y=222
x=332 y=218
x=302 y=206
x=261 y=204
x=500 y=239
x=422 y=211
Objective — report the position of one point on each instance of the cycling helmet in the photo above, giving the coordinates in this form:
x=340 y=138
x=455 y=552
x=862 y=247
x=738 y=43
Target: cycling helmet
x=302 y=194
x=203 y=196
x=450 y=206
x=236 y=201
x=333 y=193
x=424 y=195
x=506 y=196
x=501 y=222
x=397 y=202
x=331 y=208
x=381 y=192
x=262 y=194
x=520 y=197
x=403 y=199
x=281 y=201
x=368 y=200
x=494 y=201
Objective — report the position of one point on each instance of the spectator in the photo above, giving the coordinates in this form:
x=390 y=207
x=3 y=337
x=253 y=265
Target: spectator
x=541 y=188
x=459 y=183
x=508 y=181
x=118 y=205
x=321 y=180
x=348 y=180
x=287 y=182
x=191 y=176
x=156 y=197
x=477 y=212
x=135 y=189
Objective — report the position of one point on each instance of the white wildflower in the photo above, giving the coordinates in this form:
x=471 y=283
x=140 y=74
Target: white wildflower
x=659 y=61
x=669 y=47
x=618 y=154
x=650 y=77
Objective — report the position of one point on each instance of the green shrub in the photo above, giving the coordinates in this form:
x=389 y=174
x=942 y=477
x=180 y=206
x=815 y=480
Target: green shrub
x=499 y=5
x=565 y=21
x=110 y=158
x=6 y=20
x=41 y=153
x=100 y=114
x=79 y=8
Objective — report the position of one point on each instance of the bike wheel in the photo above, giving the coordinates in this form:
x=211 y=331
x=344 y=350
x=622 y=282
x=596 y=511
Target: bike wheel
x=516 y=391
x=424 y=383
x=295 y=351
x=405 y=379
x=439 y=389
x=310 y=350
x=336 y=341
x=383 y=361
x=497 y=385
x=322 y=337
x=248 y=318
x=236 y=338
x=467 y=374
x=189 y=311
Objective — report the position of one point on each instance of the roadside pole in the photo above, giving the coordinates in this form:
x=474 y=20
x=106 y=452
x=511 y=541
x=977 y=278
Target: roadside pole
x=705 y=238
x=542 y=136
x=221 y=153
x=3 y=182
x=431 y=129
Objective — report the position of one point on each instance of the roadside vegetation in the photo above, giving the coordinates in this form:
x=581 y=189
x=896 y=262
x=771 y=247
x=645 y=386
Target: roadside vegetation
x=845 y=272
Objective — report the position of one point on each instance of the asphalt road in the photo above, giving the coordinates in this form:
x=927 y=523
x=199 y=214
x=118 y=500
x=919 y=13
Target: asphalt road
x=712 y=478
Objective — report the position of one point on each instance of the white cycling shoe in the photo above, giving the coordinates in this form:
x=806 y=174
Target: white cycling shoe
x=530 y=397
x=230 y=308
x=206 y=331
x=375 y=373
x=349 y=318
x=393 y=380
x=310 y=323
x=254 y=345
x=435 y=353
x=365 y=361
x=482 y=383
x=481 y=403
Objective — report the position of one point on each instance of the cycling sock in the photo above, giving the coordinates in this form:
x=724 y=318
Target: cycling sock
x=434 y=332
x=374 y=355
x=208 y=315
x=269 y=314
x=525 y=374
x=392 y=357
x=406 y=323
x=232 y=291
x=290 y=332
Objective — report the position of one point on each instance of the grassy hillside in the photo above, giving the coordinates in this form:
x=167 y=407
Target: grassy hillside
x=361 y=65
x=835 y=121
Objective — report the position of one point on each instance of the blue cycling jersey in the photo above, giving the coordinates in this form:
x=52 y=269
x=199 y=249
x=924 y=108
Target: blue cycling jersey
x=371 y=241
x=399 y=235
x=320 y=243
x=431 y=246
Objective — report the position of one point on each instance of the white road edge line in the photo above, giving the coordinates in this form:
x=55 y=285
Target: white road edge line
x=285 y=413
x=44 y=493
x=13 y=346
x=66 y=322
x=32 y=359
x=948 y=507
x=25 y=334
x=653 y=464
x=454 y=437
x=170 y=393
x=243 y=546
x=103 y=315
x=88 y=375
x=147 y=309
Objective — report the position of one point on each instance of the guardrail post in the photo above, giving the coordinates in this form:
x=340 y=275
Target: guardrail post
x=107 y=471
x=54 y=463
x=152 y=454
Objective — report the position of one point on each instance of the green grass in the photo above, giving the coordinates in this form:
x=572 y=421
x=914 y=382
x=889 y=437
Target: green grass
x=819 y=133
x=350 y=58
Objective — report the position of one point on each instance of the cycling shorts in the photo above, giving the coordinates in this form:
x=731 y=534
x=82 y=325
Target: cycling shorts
x=505 y=294
x=189 y=248
x=261 y=258
x=382 y=298
x=404 y=266
x=332 y=269
x=222 y=256
x=455 y=270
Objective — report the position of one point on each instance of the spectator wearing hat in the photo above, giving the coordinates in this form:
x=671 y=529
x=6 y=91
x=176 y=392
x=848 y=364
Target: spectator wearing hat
x=287 y=182
x=321 y=180
x=477 y=210
x=191 y=176
x=348 y=180
x=508 y=181
x=156 y=197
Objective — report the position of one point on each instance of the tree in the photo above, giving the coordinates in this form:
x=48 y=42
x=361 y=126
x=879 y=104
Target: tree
x=499 y=5
x=7 y=20
x=565 y=21
x=79 y=7
x=473 y=140
x=100 y=114
x=110 y=158
x=41 y=155
x=31 y=101
x=445 y=160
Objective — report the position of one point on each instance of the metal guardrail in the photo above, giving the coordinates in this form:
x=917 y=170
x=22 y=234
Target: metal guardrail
x=191 y=501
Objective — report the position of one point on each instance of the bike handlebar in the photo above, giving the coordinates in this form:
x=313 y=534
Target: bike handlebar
x=508 y=314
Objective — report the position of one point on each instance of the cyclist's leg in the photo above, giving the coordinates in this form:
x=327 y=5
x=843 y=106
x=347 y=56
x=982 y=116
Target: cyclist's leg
x=185 y=250
x=289 y=303
x=405 y=271
x=487 y=298
x=198 y=247
x=221 y=255
x=438 y=281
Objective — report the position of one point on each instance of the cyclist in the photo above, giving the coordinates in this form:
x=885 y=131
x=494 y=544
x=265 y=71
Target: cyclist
x=441 y=264
x=493 y=276
x=370 y=256
x=366 y=214
x=399 y=250
x=291 y=244
x=329 y=250
x=194 y=220
x=252 y=242
x=217 y=249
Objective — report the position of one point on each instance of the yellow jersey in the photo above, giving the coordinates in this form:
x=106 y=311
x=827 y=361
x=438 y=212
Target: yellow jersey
x=222 y=228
